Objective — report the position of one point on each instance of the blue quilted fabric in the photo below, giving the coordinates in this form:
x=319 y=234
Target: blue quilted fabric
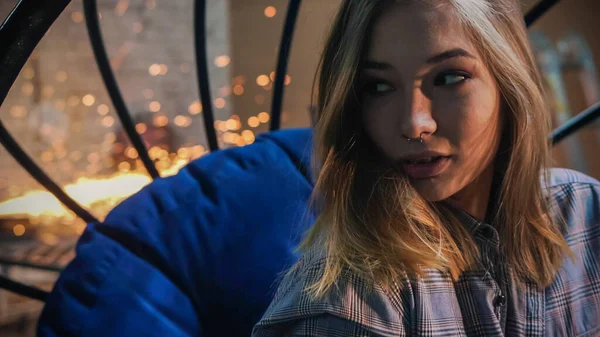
x=196 y=254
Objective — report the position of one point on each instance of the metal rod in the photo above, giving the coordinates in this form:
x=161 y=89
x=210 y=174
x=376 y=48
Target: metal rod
x=93 y=28
x=202 y=72
x=540 y=9
x=22 y=289
x=19 y=35
x=575 y=123
x=282 y=63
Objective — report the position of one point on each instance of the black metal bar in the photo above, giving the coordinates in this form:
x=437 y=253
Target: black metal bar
x=52 y=268
x=19 y=35
x=202 y=71
x=574 y=124
x=282 y=63
x=540 y=9
x=22 y=289
x=93 y=28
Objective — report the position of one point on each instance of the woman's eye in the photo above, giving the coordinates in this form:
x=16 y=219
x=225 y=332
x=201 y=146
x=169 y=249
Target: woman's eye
x=377 y=88
x=451 y=78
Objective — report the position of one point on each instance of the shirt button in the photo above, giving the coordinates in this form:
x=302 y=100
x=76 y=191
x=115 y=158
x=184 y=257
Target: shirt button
x=500 y=300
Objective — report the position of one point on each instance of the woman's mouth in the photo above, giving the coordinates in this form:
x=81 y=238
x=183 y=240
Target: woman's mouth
x=425 y=167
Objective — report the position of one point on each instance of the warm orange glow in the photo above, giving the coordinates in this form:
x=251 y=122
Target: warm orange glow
x=238 y=89
x=195 y=108
x=253 y=121
x=270 y=11
x=131 y=152
x=46 y=156
x=19 y=230
x=122 y=7
x=222 y=61
x=163 y=69
x=18 y=111
x=77 y=17
x=47 y=91
x=248 y=136
x=239 y=80
x=183 y=121
x=141 y=128
x=88 y=100
x=110 y=137
x=93 y=157
x=288 y=79
x=154 y=106
x=262 y=80
x=108 y=121
x=28 y=73
x=27 y=88
x=103 y=109
x=264 y=117
x=222 y=126
x=225 y=90
x=154 y=69
x=124 y=166
x=61 y=76
x=160 y=121
x=233 y=124
x=73 y=101
x=219 y=103
x=60 y=104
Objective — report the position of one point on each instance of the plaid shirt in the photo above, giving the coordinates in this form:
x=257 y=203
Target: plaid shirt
x=480 y=303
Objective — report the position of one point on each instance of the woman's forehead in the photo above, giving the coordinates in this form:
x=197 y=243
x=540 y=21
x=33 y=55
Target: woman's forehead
x=419 y=28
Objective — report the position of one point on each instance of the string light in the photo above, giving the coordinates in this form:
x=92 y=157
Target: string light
x=108 y=121
x=222 y=61
x=131 y=152
x=195 y=108
x=141 y=128
x=253 y=121
x=160 y=121
x=263 y=117
x=28 y=73
x=238 y=90
x=225 y=91
x=248 y=136
x=270 y=11
x=60 y=104
x=77 y=17
x=19 y=230
x=219 y=103
x=262 y=80
x=103 y=109
x=88 y=100
x=182 y=121
x=18 y=111
x=154 y=69
x=163 y=69
x=154 y=106
x=47 y=92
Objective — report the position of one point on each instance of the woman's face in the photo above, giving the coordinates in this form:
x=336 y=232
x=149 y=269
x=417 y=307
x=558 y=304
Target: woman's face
x=423 y=78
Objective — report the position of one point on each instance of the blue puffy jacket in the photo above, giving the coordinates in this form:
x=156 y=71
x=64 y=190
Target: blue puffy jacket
x=195 y=254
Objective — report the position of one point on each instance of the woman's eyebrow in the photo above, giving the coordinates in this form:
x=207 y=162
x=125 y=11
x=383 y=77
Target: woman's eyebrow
x=448 y=54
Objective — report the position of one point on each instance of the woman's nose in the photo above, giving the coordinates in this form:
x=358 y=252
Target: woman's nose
x=417 y=117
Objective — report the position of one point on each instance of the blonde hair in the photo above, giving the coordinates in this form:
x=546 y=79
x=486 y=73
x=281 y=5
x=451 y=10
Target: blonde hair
x=372 y=221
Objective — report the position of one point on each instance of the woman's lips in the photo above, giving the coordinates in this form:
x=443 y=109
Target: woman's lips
x=426 y=170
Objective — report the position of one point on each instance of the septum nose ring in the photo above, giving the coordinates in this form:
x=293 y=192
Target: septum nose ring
x=420 y=139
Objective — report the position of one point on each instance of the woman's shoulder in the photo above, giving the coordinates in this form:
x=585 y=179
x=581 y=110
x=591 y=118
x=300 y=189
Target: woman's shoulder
x=351 y=305
x=575 y=198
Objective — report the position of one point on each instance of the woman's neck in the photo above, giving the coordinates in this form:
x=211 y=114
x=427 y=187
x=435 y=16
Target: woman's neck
x=474 y=198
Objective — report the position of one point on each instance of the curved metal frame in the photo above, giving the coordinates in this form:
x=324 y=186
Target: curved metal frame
x=90 y=10
x=31 y=19
x=282 y=63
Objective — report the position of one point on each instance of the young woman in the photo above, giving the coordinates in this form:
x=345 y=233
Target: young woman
x=438 y=215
